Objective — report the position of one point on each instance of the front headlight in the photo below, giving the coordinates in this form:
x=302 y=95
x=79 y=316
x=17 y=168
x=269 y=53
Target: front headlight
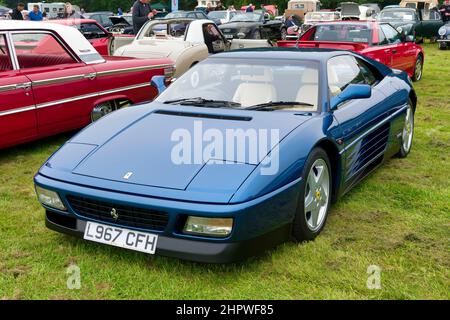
x=442 y=31
x=213 y=227
x=49 y=198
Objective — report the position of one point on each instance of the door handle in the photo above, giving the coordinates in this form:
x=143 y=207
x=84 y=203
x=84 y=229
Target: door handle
x=394 y=51
x=90 y=76
x=24 y=86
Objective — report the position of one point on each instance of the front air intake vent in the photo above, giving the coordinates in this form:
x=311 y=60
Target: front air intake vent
x=202 y=115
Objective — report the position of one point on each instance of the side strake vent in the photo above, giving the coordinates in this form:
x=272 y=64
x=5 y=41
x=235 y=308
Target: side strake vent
x=202 y=115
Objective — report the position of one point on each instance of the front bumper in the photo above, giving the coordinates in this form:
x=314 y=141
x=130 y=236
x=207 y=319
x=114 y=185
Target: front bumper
x=259 y=224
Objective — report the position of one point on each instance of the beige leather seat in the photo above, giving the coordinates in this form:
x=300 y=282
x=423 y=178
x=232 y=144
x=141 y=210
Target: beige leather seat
x=309 y=87
x=255 y=89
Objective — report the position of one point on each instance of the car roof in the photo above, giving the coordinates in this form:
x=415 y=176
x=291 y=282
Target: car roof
x=77 y=43
x=370 y=24
x=313 y=54
x=72 y=22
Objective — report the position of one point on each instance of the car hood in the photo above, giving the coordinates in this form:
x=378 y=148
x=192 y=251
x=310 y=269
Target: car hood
x=117 y=20
x=154 y=48
x=135 y=150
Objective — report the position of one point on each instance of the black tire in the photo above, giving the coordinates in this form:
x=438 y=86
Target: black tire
x=418 y=75
x=404 y=151
x=442 y=46
x=300 y=229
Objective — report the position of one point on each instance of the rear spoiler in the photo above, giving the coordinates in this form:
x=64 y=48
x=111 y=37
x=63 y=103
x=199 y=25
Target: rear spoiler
x=323 y=44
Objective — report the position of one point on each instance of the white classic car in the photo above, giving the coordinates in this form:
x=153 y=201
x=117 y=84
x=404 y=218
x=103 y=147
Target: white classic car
x=184 y=41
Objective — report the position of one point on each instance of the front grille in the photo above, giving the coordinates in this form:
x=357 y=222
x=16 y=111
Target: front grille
x=126 y=215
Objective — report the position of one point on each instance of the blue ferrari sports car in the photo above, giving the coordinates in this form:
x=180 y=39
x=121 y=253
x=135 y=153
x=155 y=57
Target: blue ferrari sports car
x=246 y=150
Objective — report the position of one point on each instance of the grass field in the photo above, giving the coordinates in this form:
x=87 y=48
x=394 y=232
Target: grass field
x=397 y=219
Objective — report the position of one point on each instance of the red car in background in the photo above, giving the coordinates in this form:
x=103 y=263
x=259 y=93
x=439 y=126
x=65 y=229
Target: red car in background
x=379 y=41
x=52 y=80
x=98 y=36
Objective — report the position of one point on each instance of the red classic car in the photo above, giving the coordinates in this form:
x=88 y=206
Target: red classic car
x=379 y=41
x=98 y=36
x=52 y=80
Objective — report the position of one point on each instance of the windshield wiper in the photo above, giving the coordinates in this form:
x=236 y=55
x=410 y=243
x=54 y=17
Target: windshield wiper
x=200 y=102
x=273 y=105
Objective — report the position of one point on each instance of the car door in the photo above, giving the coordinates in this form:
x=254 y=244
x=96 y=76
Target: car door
x=64 y=87
x=17 y=108
x=381 y=49
x=431 y=22
x=395 y=47
x=214 y=39
x=364 y=138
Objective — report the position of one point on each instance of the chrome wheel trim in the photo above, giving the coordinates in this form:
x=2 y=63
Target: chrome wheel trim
x=418 y=69
x=317 y=192
x=408 y=130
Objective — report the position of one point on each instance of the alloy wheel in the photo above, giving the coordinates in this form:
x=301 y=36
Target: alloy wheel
x=408 y=130
x=317 y=193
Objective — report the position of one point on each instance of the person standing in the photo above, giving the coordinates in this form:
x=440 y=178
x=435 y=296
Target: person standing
x=142 y=12
x=444 y=9
x=36 y=14
x=119 y=12
x=249 y=8
x=209 y=8
x=219 y=7
x=17 y=12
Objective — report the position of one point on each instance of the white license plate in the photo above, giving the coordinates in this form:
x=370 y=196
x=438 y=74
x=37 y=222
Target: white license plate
x=229 y=36
x=121 y=237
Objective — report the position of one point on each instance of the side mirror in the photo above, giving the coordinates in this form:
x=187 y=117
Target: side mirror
x=353 y=91
x=158 y=82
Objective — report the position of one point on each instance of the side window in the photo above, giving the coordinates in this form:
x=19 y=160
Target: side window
x=342 y=71
x=39 y=50
x=370 y=77
x=391 y=34
x=382 y=40
x=5 y=58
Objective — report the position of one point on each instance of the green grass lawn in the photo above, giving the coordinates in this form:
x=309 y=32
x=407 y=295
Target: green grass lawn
x=397 y=219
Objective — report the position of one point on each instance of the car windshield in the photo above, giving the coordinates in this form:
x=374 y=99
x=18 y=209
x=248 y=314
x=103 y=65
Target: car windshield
x=246 y=17
x=402 y=15
x=244 y=83
x=359 y=33
x=217 y=14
